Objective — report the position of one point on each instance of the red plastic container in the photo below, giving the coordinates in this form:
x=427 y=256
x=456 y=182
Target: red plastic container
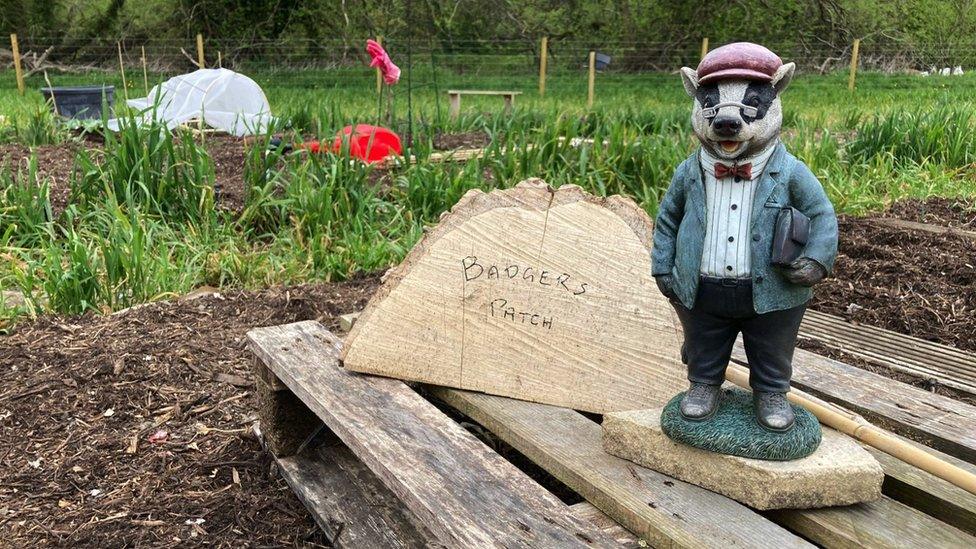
x=366 y=142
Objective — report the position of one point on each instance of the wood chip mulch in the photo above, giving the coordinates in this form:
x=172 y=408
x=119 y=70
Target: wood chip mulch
x=134 y=429
x=906 y=281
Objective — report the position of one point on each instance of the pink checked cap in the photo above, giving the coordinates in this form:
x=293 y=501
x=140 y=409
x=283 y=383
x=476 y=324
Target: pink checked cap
x=739 y=60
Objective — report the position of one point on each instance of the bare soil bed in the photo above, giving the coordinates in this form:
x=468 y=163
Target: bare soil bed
x=134 y=429
x=947 y=212
x=906 y=281
x=55 y=163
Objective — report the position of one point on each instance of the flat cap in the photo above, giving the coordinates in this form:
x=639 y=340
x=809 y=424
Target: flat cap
x=739 y=60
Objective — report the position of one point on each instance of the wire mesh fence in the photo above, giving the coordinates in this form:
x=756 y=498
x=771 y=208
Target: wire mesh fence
x=333 y=63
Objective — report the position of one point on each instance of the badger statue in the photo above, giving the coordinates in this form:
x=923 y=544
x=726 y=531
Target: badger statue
x=723 y=237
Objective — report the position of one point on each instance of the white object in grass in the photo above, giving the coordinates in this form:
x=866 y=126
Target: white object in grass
x=221 y=98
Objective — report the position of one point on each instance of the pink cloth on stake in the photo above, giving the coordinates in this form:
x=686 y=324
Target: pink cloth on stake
x=391 y=72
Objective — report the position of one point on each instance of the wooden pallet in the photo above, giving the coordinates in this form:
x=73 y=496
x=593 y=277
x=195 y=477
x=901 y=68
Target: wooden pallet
x=398 y=472
x=909 y=355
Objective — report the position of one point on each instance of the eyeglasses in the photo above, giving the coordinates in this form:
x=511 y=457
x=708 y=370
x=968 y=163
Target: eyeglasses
x=711 y=112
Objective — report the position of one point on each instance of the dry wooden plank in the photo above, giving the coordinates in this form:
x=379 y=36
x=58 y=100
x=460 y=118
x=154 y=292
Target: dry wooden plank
x=924 y=227
x=556 y=439
x=355 y=509
x=463 y=492
x=949 y=366
x=659 y=509
x=882 y=524
x=928 y=493
x=532 y=293
x=939 y=422
x=589 y=513
x=348 y=502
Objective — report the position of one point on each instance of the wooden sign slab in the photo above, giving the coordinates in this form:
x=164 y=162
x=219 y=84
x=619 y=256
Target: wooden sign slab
x=531 y=293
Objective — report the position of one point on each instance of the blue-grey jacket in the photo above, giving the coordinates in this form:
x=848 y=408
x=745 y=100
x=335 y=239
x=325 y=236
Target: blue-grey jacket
x=679 y=231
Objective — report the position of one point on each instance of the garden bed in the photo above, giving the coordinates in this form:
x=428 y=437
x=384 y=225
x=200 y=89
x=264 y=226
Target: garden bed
x=134 y=428
x=911 y=282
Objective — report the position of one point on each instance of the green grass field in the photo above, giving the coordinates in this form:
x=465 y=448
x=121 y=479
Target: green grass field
x=142 y=224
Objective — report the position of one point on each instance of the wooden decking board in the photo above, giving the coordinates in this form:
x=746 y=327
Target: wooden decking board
x=463 y=492
x=882 y=524
x=356 y=510
x=349 y=503
x=549 y=436
x=896 y=344
x=940 y=422
x=949 y=366
x=588 y=512
x=664 y=511
x=928 y=493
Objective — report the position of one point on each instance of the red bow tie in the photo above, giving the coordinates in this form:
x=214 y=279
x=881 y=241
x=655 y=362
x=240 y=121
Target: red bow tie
x=742 y=171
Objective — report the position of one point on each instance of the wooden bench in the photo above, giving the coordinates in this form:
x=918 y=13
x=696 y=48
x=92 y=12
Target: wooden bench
x=396 y=472
x=455 y=98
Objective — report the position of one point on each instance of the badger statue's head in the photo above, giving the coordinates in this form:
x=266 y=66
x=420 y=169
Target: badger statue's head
x=737 y=111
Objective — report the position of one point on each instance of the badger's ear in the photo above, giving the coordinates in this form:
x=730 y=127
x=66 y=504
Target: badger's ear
x=784 y=74
x=689 y=77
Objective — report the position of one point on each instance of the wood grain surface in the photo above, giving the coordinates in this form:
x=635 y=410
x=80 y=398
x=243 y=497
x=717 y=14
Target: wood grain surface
x=940 y=422
x=463 y=492
x=664 y=511
x=949 y=366
x=530 y=293
x=557 y=440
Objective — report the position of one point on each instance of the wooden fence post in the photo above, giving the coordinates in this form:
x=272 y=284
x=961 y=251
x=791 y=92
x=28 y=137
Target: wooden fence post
x=543 y=58
x=591 y=87
x=379 y=73
x=854 y=52
x=18 y=71
x=125 y=86
x=200 y=58
x=145 y=74
x=704 y=46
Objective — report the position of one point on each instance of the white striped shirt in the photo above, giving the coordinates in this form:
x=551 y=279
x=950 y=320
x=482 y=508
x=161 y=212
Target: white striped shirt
x=728 y=216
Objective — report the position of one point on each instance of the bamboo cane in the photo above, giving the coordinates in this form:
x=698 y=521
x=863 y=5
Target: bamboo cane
x=18 y=71
x=855 y=426
x=591 y=81
x=125 y=85
x=145 y=74
x=543 y=59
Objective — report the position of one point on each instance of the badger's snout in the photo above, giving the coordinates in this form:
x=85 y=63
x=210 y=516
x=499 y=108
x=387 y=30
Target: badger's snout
x=726 y=126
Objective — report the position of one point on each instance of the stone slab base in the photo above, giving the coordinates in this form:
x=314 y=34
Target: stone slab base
x=840 y=472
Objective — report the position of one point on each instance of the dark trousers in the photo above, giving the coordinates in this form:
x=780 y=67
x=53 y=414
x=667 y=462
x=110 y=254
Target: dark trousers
x=722 y=310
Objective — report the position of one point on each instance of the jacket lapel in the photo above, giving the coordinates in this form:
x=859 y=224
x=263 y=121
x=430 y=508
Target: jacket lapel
x=768 y=181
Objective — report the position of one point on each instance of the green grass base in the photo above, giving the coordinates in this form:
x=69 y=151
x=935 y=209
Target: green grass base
x=733 y=430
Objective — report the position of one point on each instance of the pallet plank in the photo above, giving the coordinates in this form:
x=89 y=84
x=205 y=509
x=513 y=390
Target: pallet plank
x=949 y=366
x=926 y=492
x=356 y=510
x=664 y=511
x=463 y=492
x=348 y=502
x=551 y=437
x=881 y=524
x=589 y=513
x=939 y=422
